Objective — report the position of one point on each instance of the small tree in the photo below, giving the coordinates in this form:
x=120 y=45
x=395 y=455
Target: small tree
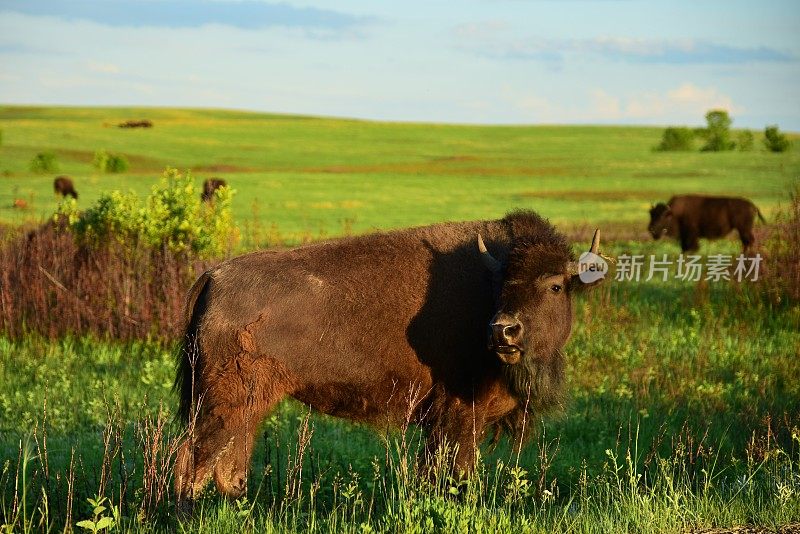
x=745 y=140
x=676 y=138
x=774 y=140
x=105 y=162
x=718 y=131
x=44 y=162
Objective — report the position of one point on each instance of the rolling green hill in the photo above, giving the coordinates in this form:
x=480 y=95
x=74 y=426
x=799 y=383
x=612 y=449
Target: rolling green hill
x=306 y=176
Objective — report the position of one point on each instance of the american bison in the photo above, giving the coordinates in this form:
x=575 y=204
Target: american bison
x=144 y=123
x=210 y=186
x=426 y=323
x=690 y=217
x=63 y=186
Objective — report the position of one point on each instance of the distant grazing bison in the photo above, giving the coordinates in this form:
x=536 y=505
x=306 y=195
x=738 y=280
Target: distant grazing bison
x=209 y=186
x=428 y=325
x=63 y=186
x=136 y=124
x=690 y=217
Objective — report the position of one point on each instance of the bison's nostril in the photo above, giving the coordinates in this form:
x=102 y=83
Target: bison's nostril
x=511 y=331
x=506 y=332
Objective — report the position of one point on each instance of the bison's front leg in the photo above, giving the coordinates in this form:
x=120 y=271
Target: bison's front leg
x=689 y=239
x=453 y=440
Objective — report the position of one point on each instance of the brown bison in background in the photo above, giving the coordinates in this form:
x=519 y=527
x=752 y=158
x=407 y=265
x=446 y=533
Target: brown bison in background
x=425 y=324
x=210 y=186
x=145 y=123
x=690 y=217
x=63 y=186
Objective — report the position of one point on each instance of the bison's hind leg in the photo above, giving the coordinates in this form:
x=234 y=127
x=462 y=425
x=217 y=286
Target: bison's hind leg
x=748 y=241
x=230 y=412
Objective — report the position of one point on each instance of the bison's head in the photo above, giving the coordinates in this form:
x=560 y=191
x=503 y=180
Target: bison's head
x=534 y=315
x=661 y=220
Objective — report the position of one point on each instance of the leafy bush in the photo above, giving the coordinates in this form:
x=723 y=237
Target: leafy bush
x=676 y=138
x=745 y=141
x=171 y=217
x=44 y=162
x=774 y=140
x=113 y=163
x=718 y=131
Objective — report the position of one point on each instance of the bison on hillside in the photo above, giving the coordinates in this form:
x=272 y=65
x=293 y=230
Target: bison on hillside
x=63 y=186
x=690 y=217
x=210 y=185
x=144 y=123
x=426 y=324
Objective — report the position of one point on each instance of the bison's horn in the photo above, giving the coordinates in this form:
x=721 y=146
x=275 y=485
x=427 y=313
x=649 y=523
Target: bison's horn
x=488 y=260
x=595 y=242
x=573 y=267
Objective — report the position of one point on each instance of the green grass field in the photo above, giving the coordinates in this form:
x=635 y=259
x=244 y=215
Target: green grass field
x=682 y=406
x=315 y=177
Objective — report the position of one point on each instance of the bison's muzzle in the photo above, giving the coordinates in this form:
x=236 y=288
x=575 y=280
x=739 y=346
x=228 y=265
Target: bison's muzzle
x=505 y=337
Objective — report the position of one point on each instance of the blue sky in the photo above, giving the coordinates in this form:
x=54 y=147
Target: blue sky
x=479 y=61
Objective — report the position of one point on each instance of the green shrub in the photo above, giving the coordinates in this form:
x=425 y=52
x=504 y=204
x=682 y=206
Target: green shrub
x=774 y=140
x=172 y=216
x=113 y=163
x=745 y=141
x=718 y=131
x=44 y=162
x=676 y=138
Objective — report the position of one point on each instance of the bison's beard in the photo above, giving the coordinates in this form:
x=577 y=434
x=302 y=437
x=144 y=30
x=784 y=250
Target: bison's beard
x=538 y=386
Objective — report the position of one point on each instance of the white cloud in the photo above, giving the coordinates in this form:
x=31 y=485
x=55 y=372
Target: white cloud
x=604 y=105
x=484 y=30
x=500 y=40
x=686 y=102
x=102 y=68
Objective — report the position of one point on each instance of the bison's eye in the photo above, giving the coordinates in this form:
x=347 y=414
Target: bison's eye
x=556 y=288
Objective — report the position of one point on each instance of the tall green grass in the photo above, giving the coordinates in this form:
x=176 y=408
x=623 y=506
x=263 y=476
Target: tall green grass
x=682 y=413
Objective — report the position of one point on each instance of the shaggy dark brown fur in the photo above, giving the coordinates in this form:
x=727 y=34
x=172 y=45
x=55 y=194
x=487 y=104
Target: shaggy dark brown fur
x=63 y=186
x=390 y=326
x=209 y=186
x=690 y=217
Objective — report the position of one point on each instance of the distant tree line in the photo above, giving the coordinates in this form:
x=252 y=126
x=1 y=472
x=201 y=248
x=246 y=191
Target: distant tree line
x=718 y=136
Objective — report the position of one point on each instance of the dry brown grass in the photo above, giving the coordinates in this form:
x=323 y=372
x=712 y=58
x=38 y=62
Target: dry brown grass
x=783 y=251
x=52 y=286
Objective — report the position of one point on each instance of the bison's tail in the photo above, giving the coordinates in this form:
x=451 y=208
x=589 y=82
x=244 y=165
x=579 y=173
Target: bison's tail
x=189 y=354
x=758 y=212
